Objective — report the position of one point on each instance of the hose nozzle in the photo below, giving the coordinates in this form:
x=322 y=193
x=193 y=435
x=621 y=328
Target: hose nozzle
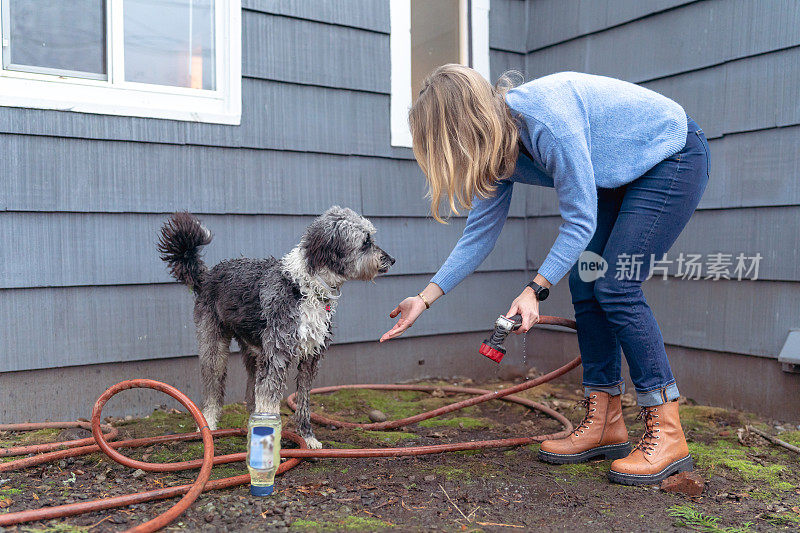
x=493 y=346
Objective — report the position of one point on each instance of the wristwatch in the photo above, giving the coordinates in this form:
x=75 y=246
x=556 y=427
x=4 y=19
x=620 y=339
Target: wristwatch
x=541 y=292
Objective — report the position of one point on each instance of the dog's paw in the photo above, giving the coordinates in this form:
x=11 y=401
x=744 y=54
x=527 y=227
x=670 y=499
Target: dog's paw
x=313 y=443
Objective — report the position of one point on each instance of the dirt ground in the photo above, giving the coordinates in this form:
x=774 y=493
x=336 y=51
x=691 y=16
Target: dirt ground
x=751 y=485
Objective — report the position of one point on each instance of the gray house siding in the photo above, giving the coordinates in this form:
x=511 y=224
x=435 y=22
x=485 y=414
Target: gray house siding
x=735 y=67
x=84 y=196
x=83 y=294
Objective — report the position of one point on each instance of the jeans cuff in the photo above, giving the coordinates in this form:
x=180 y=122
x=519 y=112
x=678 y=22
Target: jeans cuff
x=665 y=394
x=613 y=390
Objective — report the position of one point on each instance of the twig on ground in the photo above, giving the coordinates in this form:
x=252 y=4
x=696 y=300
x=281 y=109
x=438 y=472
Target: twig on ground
x=564 y=495
x=453 y=503
x=774 y=440
x=498 y=524
x=98 y=523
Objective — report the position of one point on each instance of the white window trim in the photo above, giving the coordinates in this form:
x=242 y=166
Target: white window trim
x=400 y=51
x=117 y=97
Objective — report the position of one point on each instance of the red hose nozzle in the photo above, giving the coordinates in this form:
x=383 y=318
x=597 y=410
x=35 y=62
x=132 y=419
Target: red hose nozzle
x=493 y=346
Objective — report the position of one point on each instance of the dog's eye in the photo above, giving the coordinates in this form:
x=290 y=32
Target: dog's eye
x=367 y=242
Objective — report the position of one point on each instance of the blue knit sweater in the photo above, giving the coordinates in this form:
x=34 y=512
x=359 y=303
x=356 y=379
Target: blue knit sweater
x=584 y=132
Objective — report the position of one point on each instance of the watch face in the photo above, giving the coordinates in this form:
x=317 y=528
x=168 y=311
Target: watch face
x=543 y=293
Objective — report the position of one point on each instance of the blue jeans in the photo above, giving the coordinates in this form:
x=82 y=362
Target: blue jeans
x=641 y=218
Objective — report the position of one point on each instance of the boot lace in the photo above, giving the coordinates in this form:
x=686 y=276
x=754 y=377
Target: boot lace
x=648 y=441
x=587 y=403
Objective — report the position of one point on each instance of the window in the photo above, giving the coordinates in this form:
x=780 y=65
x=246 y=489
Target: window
x=174 y=59
x=426 y=34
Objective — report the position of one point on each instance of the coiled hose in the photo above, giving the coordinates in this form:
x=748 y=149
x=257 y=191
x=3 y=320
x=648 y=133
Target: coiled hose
x=60 y=450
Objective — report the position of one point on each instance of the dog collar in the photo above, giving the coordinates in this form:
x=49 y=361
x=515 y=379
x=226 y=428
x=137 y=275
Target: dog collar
x=333 y=293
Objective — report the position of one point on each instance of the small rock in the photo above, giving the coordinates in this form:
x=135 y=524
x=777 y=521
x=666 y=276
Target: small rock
x=100 y=478
x=438 y=393
x=429 y=478
x=345 y=510
x=62 y=464
x=128 y=418
x=138 y=473
x=688 y=483
x=412 y=479
x=377 y=416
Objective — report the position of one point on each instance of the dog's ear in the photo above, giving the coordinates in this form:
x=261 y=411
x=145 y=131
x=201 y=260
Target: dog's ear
x=324 y=246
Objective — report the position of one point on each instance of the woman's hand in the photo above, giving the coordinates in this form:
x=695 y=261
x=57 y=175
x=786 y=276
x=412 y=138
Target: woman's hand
x=409 y=310
x=527 y=305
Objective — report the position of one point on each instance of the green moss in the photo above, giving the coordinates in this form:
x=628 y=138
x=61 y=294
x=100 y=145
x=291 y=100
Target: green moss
x=364 y=523
x=161 y=422
x=39 y=436
x=234 y=416
x=221 y=471
x=10 y=492
x=579 y=469
x=468 y=452
x=734 y=458
x=394 y=404
x=389 y=436
x=334 y=444
x=453 y=472
x=307 y=525
x=350 y=523
x=464 y=422
x=58 y=528
x=702 y=417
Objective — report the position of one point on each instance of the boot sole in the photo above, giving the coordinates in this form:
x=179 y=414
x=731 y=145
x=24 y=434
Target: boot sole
x=609 y=451
x=681 y=465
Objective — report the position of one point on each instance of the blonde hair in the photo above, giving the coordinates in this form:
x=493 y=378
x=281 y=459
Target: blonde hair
x=464 y=137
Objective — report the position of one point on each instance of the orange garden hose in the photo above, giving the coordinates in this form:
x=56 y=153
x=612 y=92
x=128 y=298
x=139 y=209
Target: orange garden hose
x=100 y=442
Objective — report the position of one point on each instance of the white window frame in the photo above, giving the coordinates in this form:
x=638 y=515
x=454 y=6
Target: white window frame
x=115 y=96
x=400 y=51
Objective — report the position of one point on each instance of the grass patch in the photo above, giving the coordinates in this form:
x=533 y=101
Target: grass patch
x=734 y=458
x=792 y=437
x=689 y=517
x=463 y=422
x=783 y=519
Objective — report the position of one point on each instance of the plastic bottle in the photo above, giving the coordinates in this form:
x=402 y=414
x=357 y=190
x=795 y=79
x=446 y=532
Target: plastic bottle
x=263 y=451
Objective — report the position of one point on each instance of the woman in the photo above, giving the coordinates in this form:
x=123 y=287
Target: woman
x=629 y=169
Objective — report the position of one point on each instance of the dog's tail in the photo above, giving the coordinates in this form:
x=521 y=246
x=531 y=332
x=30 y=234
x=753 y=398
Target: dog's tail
x=180 y=241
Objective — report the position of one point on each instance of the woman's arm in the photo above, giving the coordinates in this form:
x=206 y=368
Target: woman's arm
x=484 y=224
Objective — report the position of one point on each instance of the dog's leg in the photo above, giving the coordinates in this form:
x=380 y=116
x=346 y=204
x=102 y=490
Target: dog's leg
x=250 y=359
x=306 y=371
x=271 y=371
x=214 y=352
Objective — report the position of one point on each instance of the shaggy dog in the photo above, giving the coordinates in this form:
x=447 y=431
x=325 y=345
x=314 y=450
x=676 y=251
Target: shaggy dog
x=279 y=311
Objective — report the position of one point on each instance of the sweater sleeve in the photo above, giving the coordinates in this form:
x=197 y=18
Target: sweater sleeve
x=484 y=223
x=569 y=162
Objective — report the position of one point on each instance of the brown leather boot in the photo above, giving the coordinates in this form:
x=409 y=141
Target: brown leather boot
x=661 y=452
x=601 y=433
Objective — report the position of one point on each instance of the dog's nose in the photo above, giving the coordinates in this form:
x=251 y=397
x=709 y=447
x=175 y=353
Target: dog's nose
x=391 y=259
